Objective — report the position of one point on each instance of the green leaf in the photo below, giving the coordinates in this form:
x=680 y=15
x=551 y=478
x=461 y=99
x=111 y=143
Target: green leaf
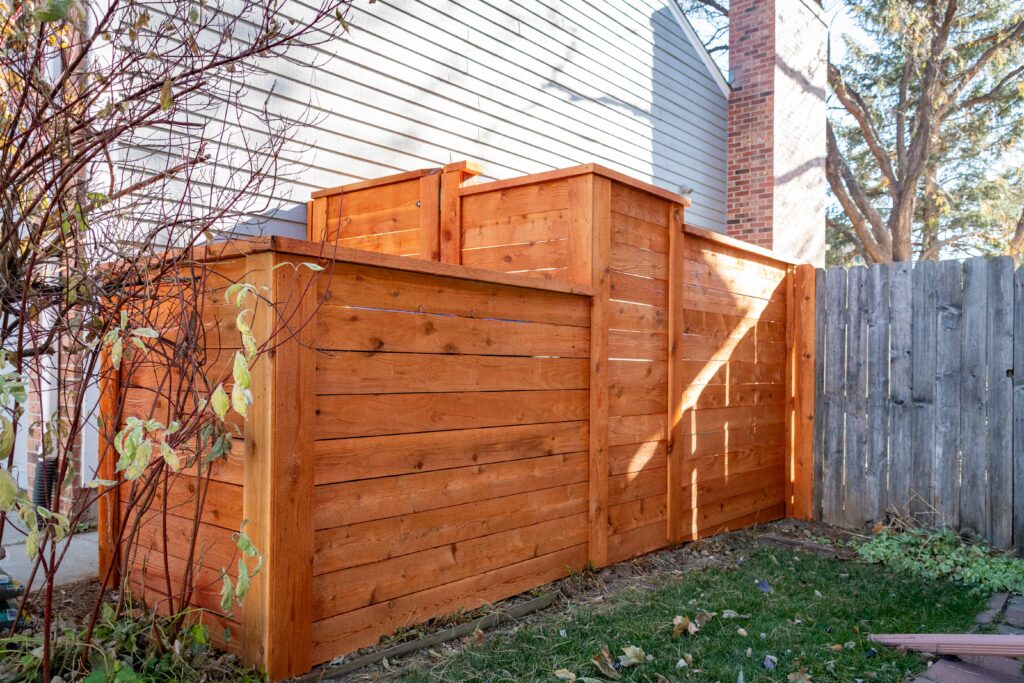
x=147 y=332
x=315 y=267
x=242 y=587
x=166 y=96
x=116 y=351
x=52 y=10
x=245 y=544
x=170 y=457
x=227 y=592
x=96 y=483
x=219 y=401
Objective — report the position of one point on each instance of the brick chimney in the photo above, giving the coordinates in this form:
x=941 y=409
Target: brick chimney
x=776 y=169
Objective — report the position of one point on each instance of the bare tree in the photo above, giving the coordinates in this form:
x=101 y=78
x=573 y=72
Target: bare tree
x=129 y=141
x=926 y=110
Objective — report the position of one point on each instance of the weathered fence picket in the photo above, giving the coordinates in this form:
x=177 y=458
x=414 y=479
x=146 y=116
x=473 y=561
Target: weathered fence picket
x=920 y=395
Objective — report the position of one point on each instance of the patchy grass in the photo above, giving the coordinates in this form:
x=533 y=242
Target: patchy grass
x=815 y=620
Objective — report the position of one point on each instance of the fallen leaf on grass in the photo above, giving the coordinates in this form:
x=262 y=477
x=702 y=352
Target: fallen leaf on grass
x=799 y=677
x=478 y=636
x=658 y=678
x=565 y=675
x=837 y=647
x=632 y=657
x=682 y=625
x=703 y=618
x=764 y=586
x=604 y=663
x=685 y=662
x=770 y=662
x=741 y=632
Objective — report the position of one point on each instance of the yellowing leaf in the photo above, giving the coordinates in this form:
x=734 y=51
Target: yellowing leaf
x=6 y=437
x=240 y=400
x=240 y=371
x=166 y=96
x=32 y=542
x=9 y=491
x=219 y=401
x=170 y=457
x=565 y=675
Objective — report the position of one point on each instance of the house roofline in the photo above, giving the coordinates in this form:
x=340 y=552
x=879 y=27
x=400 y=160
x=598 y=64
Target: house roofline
x=698 y=45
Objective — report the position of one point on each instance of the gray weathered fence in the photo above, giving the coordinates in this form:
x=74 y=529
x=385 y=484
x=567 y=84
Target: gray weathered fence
x=919 y=398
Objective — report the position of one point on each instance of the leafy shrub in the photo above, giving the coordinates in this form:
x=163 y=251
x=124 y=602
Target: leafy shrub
x=124 y=650
x=935 y=554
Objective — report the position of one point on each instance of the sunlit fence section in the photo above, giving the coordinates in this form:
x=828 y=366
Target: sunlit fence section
x=507 y=382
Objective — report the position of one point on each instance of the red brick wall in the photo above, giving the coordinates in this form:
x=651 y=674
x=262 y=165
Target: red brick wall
x=751 y=176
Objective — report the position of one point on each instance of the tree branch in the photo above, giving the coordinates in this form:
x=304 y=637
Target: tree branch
x=854 y=104
x=846 y=187
x=992 y=94
x=1015 y=34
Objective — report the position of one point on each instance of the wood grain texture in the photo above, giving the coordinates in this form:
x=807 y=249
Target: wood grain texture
x=676 y=373
x=1018 y=410
x=277 y=624
x=600 y=214
x=948 y=345
x=108 y=506
x=901 y=294
x=876 y=488
x=974 y=511
x=800 y=461
x=835 y=393
x=855 y=444
x=999 y=422
x=924 y=319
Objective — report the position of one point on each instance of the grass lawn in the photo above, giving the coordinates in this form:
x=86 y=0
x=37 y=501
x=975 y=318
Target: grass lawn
x=816 y=607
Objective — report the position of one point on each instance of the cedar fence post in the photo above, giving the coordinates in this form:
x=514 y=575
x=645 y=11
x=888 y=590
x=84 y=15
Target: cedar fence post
x=452 y=178
x=109 y=504
x=277 y=616
x=676 y=388
x=800 y=389
x=597 y=218
x=316 y=219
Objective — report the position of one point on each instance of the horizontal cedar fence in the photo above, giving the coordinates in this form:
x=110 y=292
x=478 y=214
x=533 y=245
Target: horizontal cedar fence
x=920 y=395
x=576 y=378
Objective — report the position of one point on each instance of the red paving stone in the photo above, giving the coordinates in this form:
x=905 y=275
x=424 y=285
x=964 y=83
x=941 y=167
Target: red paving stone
x=949 y=671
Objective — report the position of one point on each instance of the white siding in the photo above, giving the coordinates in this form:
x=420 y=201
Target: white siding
x=521 y=86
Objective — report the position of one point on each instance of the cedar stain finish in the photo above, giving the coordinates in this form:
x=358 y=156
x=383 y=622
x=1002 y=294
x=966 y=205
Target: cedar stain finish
x=501 y=383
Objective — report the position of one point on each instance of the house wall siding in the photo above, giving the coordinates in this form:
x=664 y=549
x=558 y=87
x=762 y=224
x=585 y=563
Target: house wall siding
x=521 y=86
